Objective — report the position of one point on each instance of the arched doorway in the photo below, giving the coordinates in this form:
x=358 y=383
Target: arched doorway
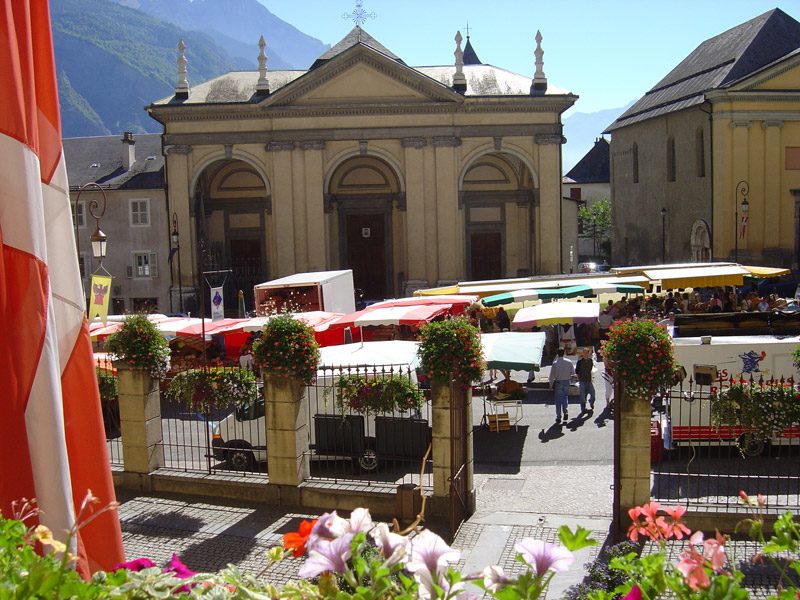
x=361 y=194
x=701 y=241
x=232 y=208
x=498 y=193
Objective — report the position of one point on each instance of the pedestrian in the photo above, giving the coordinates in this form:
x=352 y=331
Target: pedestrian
x=246 y=359
x=503 y=322
x=584 y=369
x=561 y=372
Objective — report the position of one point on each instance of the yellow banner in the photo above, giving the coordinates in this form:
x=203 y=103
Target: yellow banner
x=99 y=295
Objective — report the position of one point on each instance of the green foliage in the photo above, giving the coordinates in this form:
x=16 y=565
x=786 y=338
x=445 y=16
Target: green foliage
x=216 y=387
x=287 y=348
x=595 y=220
x=451 y=351
x=364 y=394
x=107 y=384
x=760 y=411
x=639 y=353
x=796 y=358
x=139 y=344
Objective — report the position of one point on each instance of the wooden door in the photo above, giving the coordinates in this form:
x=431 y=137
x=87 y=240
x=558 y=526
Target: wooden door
x=486 y=259
x=366 y=253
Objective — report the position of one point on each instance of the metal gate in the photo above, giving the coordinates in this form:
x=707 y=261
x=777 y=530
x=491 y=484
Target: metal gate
x=458 y=459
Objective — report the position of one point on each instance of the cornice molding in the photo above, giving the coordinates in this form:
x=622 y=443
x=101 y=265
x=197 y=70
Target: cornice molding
x=758 y=115
x=177 y=149
x=549 y=138
x=446 y=141
x=313 y=145
x=278 y=146
x=414 y=142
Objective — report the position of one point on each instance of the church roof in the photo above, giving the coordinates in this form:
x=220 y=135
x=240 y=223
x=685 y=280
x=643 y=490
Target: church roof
x=470 y=57
x=717 y=63
x=594 y=166
x=99 y=159
x=356 y=36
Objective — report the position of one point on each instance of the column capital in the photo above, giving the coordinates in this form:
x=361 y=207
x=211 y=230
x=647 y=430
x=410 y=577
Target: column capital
x=446 y=141
x=414 y=142
x=312 y=145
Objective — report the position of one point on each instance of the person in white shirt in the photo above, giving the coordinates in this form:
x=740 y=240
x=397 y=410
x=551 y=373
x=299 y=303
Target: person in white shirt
x=561 y=372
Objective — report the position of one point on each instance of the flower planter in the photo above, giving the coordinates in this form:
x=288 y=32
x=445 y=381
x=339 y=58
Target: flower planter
x=401 y=437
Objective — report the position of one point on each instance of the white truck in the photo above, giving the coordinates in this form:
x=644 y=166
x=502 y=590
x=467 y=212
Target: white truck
x=331 y=291
x=711 y=360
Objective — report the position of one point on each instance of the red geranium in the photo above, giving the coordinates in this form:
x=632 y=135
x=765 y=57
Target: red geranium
x=296 y=540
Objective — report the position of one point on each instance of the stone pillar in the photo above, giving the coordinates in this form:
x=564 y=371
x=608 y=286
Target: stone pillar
x=443 y=437
x=634 y=451
x=140 y=420
x=287 y=432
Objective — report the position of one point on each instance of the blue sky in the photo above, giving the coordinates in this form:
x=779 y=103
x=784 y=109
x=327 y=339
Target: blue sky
x=609 y=52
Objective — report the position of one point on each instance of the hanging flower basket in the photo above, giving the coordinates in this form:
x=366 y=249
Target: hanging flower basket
x=639 y=354
x=451 y=351
x=287 y=348
x=761 y=412
x=362 y=394
x=202 y=391
x=139 y=344
x=108 y=386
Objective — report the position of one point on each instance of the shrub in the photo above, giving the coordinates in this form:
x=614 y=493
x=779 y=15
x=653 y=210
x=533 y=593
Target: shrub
x=760 y=411
x=139 y=344
x=107 y=385
x=364 y=394
x=639 y=354
x=451 y=351
x=287 y=348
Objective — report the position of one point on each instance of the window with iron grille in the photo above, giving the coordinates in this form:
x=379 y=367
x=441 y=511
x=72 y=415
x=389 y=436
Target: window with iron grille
x=140 y=212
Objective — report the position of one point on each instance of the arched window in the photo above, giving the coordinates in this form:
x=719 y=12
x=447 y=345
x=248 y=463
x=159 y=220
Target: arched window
x=635 y=153
x=700 y=152
x=670 y=158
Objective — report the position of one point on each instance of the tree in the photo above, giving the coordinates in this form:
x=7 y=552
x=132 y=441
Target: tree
x=595 y=220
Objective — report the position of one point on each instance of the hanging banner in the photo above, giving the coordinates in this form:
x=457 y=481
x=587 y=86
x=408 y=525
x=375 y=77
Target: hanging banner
x=217 y=304
x=100 y=296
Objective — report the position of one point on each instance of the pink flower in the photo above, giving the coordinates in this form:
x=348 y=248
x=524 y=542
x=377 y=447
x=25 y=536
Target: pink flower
x=634 y=594
x=135 y=565
x=429 y=553
x=692 y=567
x=494 y=578
x=544 y=555
x=327 y=556
x=393 y=546
x=176 y=566
x=714 y=551
x=329 y=526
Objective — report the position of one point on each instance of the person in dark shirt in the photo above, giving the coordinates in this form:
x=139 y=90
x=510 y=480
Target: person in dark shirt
x=503 y=322
x=585 y=385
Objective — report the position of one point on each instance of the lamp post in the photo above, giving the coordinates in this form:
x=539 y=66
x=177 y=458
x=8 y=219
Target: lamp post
x=98 y=239
x=743 y=189
x=176 y=246
x=663 y=235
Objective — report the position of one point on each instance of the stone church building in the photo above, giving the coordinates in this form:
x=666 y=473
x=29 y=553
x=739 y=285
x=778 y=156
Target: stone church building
x=411 y=176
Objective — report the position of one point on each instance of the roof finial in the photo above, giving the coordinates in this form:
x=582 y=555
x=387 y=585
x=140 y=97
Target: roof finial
x=459 y=79
x=467 y=29
x=262 y=86
x=359 y=16
x=182 y=88
x=539 y=85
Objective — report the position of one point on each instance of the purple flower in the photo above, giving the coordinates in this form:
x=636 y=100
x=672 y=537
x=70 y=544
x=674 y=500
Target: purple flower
x=494 y=579
x=327 y=556
x=429 y=553
x=175 y=565
x=394 y=546
x=544 y=555
x=328 y=527
x=135 y=565
x=360 y=521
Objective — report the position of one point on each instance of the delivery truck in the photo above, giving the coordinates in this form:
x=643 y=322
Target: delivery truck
x=711 y=361
x=330 y=291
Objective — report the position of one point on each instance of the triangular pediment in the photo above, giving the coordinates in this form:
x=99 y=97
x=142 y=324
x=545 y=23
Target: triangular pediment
x=783 y=75
x=361 y=75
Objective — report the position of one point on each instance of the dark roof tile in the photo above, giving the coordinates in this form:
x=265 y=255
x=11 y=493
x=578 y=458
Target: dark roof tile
x=594 y=166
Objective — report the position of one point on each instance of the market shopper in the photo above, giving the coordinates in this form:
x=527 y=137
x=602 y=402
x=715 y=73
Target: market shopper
x=560 y=374
x=584 y=369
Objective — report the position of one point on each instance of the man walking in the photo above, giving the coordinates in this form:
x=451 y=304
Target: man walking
x=560 y=374
x=584 y=370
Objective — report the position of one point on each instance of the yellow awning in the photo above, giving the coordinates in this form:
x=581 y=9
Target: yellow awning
x=767 y=272
x=440 y=291
x=499 y=288
x=698 y=276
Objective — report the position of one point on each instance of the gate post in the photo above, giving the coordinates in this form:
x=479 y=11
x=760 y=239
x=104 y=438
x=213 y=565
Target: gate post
x=450 y=434
x=140 y=419
x=286 y=404
x=632 y=455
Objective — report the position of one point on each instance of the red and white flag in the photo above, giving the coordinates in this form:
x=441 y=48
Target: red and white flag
x=52 y=445
x=743 y=227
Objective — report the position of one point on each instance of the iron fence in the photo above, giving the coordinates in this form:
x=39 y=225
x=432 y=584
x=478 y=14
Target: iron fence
x=703 y=463
x=229 y=439
x=109 y=406
x=352 y=442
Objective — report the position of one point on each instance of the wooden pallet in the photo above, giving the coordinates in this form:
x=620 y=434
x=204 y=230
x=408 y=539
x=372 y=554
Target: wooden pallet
x=499 y=422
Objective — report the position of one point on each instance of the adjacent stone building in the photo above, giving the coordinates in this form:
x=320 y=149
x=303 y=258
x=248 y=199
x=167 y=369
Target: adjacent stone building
x=410 y=176
x=723 y=126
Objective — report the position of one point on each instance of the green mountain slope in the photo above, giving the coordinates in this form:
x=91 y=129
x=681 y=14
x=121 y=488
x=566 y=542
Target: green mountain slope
x=112 y=61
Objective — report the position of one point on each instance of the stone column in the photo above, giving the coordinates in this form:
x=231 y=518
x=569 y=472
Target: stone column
x=443 y=436
x=634 y=452
x=287 y=432
x=140 y=420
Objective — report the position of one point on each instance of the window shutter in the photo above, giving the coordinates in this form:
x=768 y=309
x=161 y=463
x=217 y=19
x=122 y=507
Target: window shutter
x=129 y=271
x=154 y=264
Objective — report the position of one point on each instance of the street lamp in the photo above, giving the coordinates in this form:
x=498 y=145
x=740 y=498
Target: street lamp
x=98 y=239
x=663 y=235
x=743 y=189
x=176 y=246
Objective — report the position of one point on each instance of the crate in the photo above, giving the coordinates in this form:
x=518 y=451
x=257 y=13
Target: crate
x=499 y=422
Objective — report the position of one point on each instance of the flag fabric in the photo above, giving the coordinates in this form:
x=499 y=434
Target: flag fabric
x=100 y=293
x=52 y=446
x=217 y=304
x=743 y=228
